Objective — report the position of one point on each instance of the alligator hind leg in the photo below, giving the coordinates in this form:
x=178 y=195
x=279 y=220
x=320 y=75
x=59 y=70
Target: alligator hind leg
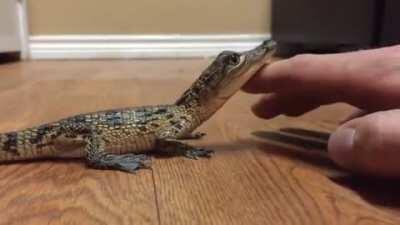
x=179 y=148
x=98 y=158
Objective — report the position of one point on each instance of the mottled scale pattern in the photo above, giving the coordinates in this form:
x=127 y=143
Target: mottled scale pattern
x=124 y=130
x=29 y=143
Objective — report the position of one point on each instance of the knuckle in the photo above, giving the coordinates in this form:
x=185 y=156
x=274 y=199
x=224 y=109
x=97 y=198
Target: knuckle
x=298 y=65
x=302 y=60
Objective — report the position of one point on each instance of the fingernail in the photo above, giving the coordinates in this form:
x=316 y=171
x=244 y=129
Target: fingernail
x=260 y=111
x=341 y=145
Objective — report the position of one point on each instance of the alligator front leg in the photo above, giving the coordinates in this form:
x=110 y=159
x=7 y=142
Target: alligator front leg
x=98 y=158
x=167 y=141
x=179 y=148
x=180 y=130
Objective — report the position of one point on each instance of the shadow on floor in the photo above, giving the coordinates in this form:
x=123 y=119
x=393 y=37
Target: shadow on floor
x=43 y=160
x=308 y=146
x=323 y=136
x=311 y=147
x=382 y=192
x=298 y=138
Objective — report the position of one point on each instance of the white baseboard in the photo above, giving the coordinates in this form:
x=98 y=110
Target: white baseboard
x=23 y=27
x=138 y=46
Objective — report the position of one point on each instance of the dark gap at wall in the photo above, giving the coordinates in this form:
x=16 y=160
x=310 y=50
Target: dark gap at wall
x=7 y=57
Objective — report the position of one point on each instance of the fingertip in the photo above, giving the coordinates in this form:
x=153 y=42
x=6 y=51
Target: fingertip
x=265 y=108
x=252 y=87
x=262 y=112
x=263 y=80
x=256 y=84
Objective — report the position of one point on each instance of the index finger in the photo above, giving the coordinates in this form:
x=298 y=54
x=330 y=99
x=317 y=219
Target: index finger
x=302 y=71
x=322 y=72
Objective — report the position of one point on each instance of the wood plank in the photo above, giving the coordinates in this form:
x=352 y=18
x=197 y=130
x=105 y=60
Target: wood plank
x=263 y=172
x=65 y=192
x=68 y=193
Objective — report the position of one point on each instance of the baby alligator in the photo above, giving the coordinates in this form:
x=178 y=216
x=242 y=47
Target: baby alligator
x=114 y=139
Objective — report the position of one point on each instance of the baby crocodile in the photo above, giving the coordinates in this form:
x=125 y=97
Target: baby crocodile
x=114 y=139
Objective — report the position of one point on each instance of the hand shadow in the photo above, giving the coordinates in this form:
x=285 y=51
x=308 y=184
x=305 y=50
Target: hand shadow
x=307 y=146
x=44 y=160
x=311 y=147
x=382 y=192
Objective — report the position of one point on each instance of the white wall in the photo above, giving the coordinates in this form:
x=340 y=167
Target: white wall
x=9 y=32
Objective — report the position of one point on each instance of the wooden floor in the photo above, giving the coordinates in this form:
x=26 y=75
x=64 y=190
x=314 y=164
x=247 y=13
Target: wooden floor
x=263 y=172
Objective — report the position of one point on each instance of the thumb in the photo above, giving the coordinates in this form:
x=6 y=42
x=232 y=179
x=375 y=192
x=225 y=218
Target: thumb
x=369 y=145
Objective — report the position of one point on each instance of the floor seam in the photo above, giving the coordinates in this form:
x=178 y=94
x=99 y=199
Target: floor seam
x=156 y=197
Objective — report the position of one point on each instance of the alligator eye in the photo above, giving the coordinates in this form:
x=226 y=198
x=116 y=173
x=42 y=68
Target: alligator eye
x=234 y=59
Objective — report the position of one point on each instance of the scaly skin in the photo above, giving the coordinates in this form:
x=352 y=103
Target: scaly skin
x=112 y=139
x=125 y=130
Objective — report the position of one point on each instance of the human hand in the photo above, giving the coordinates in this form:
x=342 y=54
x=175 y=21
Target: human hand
x=369 y=80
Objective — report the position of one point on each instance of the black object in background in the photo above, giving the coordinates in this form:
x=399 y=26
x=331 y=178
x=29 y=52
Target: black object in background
x=334 y=26
x=390 y=31
x=7 y=57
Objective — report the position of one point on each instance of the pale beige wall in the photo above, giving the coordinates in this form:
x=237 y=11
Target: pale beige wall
x=148 y=16
x=9 y=35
